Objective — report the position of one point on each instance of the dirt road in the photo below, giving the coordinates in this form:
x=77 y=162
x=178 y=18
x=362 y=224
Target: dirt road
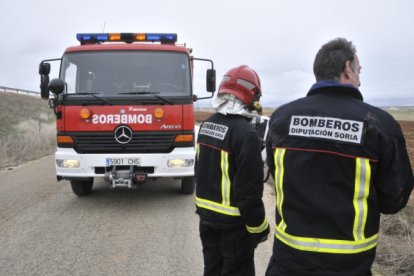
x=46 y=230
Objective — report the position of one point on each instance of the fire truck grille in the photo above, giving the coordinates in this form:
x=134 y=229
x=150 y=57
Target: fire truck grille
x=141 y=142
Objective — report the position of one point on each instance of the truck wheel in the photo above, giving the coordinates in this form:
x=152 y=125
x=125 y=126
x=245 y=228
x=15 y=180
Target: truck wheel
x=187 y=185
x=82 y=187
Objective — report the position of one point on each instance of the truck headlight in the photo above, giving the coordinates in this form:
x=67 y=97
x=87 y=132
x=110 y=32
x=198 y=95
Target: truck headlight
x=177 y=163
x=67 y=163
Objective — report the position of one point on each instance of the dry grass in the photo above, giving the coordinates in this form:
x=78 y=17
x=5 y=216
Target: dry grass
x=395 y=252
x=30 y=140
x=401 y=113
x=27 y=129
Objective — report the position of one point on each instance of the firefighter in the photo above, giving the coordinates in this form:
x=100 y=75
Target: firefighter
x=229 y=178
x=337 y=163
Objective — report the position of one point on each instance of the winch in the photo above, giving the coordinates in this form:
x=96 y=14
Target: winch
x=124 y=177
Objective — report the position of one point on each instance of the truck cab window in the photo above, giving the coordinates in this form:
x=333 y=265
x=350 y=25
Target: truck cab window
x=70 y=77
x=117 y=73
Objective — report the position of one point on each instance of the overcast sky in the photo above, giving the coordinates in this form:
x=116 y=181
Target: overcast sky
x=279 y=39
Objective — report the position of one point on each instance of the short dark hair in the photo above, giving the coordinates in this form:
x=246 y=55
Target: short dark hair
x=331 y=59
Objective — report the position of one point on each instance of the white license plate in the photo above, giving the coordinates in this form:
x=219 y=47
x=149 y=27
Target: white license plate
x=123 y=161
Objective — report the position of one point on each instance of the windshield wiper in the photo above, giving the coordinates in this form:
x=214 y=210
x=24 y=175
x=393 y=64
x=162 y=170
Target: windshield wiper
x=148 y=93
x=93 y=94
x=137 y=92
x=164 y=99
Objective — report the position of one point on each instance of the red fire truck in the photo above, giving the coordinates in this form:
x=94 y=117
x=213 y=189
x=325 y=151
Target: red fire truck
x=124 y=109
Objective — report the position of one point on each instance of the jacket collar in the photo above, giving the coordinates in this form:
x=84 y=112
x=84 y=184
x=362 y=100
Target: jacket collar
x=330 y=86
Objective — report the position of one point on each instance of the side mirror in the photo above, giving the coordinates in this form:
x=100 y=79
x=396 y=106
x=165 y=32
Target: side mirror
x=211 y=80
x=44 y=68
x=44 y=87
x=56 y=86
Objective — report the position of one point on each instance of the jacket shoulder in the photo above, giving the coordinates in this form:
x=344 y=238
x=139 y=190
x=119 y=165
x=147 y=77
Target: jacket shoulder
x=383 y=120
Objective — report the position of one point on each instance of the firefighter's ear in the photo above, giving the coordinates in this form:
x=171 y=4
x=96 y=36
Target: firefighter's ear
x=348 y=70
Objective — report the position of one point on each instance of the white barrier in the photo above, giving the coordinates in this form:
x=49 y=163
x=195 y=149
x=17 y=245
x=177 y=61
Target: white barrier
x=19 y=91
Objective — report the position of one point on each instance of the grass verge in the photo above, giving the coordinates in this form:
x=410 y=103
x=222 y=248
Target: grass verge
x=27 y=129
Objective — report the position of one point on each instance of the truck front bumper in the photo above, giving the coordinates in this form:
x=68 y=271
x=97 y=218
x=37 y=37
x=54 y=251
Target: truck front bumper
x=177 y=164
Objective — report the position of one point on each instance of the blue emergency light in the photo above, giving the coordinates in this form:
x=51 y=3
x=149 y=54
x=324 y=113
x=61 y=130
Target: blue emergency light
x=91 y=38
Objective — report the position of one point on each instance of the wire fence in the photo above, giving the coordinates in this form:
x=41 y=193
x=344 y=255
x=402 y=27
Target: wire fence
x=19 y=91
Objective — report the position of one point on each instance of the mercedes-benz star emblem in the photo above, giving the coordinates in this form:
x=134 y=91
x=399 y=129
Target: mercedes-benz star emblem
x=123 y=134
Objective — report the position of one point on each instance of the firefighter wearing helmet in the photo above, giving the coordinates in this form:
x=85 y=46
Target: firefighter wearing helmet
x=229 y=177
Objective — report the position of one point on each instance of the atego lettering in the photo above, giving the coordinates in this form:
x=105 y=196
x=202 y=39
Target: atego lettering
x=327 y=128
x=121 y=119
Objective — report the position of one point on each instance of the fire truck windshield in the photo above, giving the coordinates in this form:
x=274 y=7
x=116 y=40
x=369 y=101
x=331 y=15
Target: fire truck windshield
x=127 y=74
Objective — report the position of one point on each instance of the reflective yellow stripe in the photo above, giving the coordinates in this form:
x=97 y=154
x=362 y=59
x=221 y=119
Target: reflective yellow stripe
x=362 y=184
x=279 y=174
x=282 y=225
x=198 y=151
x=258 y=229
x=360 y=242
x=224 y=207
x=225 y=180
x=217 y=207
x=326 y=245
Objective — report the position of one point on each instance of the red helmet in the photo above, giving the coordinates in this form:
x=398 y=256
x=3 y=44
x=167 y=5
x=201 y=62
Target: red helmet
x=242 y=82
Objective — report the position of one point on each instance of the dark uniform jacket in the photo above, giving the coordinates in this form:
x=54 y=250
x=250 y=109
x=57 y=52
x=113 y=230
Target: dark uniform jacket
x=337 y=163
x=229 y=174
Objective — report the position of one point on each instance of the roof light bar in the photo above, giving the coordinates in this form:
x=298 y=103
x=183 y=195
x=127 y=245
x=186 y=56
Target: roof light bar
x=92 y=38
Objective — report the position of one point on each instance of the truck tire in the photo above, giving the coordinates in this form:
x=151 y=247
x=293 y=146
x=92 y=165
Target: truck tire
x=82 y=187
x=187 y=185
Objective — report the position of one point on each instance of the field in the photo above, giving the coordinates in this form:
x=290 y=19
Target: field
x=395 y=251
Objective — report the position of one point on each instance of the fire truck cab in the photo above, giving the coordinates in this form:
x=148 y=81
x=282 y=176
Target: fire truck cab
x=124 y=105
